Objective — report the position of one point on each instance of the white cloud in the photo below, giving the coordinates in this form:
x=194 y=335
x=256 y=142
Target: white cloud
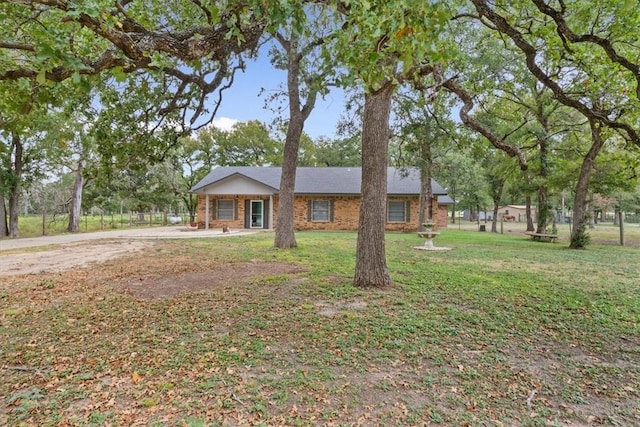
x=224 y=123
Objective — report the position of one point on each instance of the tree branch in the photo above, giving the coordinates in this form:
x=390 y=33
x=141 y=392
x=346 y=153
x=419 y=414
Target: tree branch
x=531 y=53
x=17 y=46
x=134 y=45
x=474 y=124
x=565 y=32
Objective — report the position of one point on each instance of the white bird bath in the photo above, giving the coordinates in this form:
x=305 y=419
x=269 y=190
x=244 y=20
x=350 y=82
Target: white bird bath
x=429 y=234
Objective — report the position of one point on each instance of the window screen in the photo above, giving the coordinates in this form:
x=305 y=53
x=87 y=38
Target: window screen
x=225 y=210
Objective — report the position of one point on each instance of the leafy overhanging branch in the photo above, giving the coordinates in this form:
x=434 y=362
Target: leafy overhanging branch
x=133 y=44
x=501 y=24
x=566 y=33
x=452 y=86
x=474 y=124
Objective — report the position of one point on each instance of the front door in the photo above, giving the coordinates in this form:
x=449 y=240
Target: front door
x=257 y=213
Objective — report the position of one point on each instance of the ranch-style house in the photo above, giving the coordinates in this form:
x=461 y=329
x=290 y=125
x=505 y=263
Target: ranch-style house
x=326 y=198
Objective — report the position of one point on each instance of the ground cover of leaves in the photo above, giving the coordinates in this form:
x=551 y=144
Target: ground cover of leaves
x=234 y=332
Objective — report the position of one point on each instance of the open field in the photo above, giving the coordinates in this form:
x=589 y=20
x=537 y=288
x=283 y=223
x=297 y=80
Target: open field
x=499 y=331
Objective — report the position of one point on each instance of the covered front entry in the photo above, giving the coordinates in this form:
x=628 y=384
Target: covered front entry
x=256 y=214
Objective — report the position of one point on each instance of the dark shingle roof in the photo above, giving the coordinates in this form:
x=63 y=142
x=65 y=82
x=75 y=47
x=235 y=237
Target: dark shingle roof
x=445 y=200
x=309 y=180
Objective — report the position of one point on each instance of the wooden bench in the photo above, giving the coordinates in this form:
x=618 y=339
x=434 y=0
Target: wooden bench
x=544 y=237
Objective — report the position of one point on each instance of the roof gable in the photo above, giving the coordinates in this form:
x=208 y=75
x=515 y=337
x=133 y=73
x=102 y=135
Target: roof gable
x=238 y=183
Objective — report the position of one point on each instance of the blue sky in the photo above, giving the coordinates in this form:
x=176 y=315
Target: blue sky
x=242 y=102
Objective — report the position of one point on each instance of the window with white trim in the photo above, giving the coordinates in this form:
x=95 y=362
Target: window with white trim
x=320 y=210
x=224 y=210
x=396 y=211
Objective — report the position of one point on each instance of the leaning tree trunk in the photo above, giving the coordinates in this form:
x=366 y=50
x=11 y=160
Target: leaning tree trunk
x=371 y=263
x=579 y=236
x=76 y=199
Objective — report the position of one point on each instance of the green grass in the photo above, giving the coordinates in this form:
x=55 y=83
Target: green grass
x=463 y=337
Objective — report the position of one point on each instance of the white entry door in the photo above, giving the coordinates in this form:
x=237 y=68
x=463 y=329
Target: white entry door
x=257 y=213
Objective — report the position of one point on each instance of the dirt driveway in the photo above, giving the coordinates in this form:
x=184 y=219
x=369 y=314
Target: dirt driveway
x=70 y=250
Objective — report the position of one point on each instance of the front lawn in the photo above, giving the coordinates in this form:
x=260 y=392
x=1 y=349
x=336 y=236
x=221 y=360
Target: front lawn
x=499 y=331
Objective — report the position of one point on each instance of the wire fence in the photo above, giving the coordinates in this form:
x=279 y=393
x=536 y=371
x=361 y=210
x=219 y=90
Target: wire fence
x=41 y=225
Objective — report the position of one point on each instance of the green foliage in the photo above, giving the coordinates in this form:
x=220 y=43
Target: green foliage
x=155 y=187
x=580 y=240
x=246 y=144
x=406 y=30
x=464 y=180
x=338 y=152
x=32 y=121
x=616 y=170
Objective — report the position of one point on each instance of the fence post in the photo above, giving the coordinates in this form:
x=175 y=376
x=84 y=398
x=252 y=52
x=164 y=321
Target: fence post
x=621 y=228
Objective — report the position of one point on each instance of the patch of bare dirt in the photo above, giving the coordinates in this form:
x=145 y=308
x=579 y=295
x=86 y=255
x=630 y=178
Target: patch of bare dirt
x=166 y=286
x=329 y=309
x=67 y=256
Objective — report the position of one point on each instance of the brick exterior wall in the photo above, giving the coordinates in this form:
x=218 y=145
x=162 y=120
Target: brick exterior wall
x=442 y=216
x=239 y=211
x=346 y=210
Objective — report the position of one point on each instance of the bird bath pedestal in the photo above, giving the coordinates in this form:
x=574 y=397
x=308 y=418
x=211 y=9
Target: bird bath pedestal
x=429 y=234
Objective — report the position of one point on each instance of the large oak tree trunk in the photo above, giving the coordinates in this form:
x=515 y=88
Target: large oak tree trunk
x=497 y=188
x=191 y=202
x=14 y=201
x=4 y=226
x=543 y=216
x=285 y=232
x=424 y=208
x=426 y=192
x=579 y=236
x=76 y=199
x=528 y=212
x=14 y=196
x=371 y=263
x=494 y=219
x=542 y=210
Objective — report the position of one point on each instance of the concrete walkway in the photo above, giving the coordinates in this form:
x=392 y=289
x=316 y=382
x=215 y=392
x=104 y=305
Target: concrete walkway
x=174 y=232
